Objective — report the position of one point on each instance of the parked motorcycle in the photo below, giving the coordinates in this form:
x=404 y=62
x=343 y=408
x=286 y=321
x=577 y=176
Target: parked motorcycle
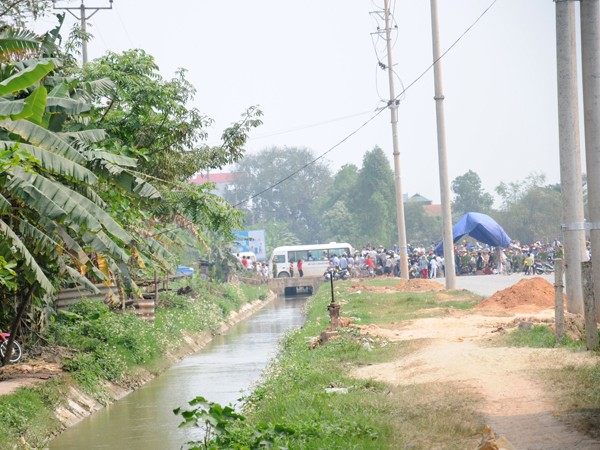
x=16 y=353
x=540 y=267
x=366 y=271
x=337 y=274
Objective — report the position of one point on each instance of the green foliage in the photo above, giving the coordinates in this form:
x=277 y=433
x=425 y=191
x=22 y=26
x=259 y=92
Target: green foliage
x=469 y=195
x=19 y=12
x=539 y=336
x=534 y=214
x=421 y=228
x=373 y=200
x=107 y=343
x=292 y=201
x=27 y=413
x=216 y=420
x=8 y=275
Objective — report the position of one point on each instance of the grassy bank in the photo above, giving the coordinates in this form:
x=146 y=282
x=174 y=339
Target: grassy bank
x=309 y=400
x=98 y=345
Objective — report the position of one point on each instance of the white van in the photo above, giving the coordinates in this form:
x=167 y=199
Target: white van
x=315 y=258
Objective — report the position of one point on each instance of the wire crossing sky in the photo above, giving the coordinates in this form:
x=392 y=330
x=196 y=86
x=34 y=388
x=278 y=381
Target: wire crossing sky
x=313 y=68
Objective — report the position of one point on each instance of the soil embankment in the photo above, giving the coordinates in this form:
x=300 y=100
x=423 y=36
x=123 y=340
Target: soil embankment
x=78 y=404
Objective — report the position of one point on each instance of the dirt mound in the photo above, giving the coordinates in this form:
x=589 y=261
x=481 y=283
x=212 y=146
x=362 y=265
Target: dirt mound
x=412 y=285
x=528 y=295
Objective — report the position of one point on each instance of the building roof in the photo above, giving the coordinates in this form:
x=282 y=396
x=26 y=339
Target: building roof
x=226 y=177
x=433 y=210
x=418 y=198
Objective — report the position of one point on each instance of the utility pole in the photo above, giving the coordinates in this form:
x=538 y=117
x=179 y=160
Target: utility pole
x=589 y=11
x=393 y=105
x=83 y=18
x=449 y=269
x=570 y=154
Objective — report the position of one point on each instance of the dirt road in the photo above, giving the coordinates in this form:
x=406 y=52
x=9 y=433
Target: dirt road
x=514 y=400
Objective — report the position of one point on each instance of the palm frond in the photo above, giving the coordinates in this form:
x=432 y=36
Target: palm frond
x=26 y=77
x=12 y=40
x=11 y=244
x=41 y=137
x=55 y=163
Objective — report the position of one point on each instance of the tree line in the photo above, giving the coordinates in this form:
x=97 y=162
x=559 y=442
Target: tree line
x=357 y=204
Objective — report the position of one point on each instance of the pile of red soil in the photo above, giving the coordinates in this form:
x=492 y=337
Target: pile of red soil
x=528 y=295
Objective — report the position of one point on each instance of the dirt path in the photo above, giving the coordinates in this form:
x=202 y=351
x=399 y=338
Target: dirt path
x=514 y=401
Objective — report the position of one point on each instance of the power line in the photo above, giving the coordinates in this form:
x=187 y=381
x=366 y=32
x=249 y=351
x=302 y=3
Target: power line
x=375 y=115
x=303 y=127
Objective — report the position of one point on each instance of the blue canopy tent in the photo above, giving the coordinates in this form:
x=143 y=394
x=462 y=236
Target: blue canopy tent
x=478 y=226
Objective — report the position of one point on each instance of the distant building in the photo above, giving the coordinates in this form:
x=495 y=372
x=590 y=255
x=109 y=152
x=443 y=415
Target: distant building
x=430 y=210
x=223 y=181
x=418 y=198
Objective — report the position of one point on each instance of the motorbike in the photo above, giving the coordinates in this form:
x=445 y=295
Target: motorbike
x=337 y=274
x=540 y=267
x=16 y=353
x=366 y=271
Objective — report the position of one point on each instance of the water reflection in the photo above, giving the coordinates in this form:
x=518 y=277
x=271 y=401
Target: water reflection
x=223 y=372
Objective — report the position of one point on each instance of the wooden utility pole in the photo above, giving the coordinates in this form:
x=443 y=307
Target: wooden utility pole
x=393 y=105
x=83 y=18
x=590 y=75
x=573 y=226
x=589 y=312
x=449 y=269
x=559 y=307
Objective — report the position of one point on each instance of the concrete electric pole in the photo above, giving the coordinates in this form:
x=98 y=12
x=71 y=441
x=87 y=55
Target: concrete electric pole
x=589 y=11
x=449 y=271
x=393 y=105
x=570 y=154
x=83 y=18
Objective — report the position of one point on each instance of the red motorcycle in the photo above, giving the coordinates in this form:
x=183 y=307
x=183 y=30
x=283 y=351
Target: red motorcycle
x=16 y=353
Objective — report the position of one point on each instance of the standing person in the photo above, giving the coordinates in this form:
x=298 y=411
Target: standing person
x=292 y=268
x=457 y=262
x=528 y=264
x=369 y=263
x=433 y=266
x=479 y=264
x=423 y=264
x=299 y=265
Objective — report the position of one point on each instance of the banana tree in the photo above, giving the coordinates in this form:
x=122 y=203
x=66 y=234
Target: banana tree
x=51 y=215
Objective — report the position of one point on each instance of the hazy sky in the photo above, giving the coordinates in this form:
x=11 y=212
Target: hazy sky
x=311 y=65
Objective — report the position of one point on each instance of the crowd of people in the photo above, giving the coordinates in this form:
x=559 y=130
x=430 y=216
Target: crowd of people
x=469 y=258
x=261 y=269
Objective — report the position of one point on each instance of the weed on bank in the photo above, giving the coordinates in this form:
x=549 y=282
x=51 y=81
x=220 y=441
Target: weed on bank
x=102 y=345
x=310 y=400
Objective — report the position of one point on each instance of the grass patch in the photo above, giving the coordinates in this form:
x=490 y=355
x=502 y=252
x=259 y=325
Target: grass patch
x=27 y=414
x=577 y=390
x=538 y=336
x=373 y=307
x=294 y=399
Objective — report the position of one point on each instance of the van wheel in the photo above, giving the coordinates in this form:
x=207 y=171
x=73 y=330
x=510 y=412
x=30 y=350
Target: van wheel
x=283 y=275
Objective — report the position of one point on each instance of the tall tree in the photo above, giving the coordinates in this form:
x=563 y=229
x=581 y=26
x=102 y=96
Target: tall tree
x=17 y=12
x=373 y=200
x=469 y=195
x=270 y=189
x=530 y=210
x=148 y=117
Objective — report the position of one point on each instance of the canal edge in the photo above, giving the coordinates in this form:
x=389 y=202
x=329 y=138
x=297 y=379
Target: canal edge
x=80 y=405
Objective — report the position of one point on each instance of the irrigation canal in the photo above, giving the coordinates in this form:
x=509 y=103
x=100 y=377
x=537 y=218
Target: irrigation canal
x=223 y=372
